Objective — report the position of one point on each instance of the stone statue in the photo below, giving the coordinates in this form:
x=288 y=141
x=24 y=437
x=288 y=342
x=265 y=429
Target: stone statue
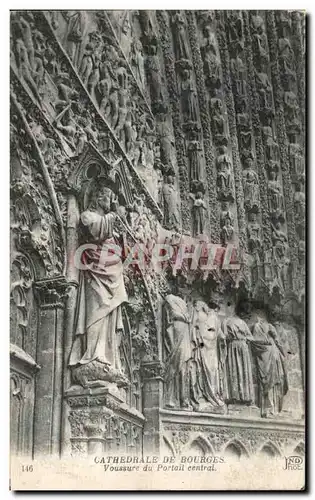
x=77 y=26
x=171 y=209
x=251 y=191
x=24 y=66
x=238 y=379
x=180 y=37
x=189 y=97
x=194 y=150
x=205 y=379
x=227 y=229
x=198 y=213
x=217 y=117
x=154 y=73
x=95 y=350
x=254 y=233
x=264 y=90
x=165 y=138
x=137 y=62
x=224 y=176
x=275 y=195
x=271 y=368
x=178 y=346
x=211 y=65
x=104 y=88
x=239 y=73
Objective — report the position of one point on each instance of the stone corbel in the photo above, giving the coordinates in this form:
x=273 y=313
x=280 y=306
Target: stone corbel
x=23 y=360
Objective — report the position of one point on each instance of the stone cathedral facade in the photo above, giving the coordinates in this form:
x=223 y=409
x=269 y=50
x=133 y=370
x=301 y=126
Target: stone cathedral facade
x=176 y=128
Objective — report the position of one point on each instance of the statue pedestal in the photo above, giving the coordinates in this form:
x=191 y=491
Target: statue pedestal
x=101 y=422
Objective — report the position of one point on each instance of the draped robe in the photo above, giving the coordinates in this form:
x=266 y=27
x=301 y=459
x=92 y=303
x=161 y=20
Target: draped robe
x=205 y=372
x=101 y=293
x=179 y=347
x=271 y=368
x=238 y=378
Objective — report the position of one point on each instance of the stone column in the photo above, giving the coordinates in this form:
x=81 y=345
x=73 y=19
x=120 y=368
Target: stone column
x=50 y=294
x=151 y=372
x=96 y=440
x=72 y=274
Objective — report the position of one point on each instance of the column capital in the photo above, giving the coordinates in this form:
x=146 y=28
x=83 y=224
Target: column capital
x=51 y=293
x=152 y=370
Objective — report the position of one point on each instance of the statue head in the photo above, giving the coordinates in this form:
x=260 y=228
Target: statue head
x=103 y=198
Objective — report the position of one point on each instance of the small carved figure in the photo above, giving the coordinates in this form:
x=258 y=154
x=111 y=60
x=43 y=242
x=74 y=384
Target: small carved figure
x=217 y=117
x=123 y=99
x=178 y=346
x=271 y=146
x=286 y=55
x=137 y=62
x=66 y=124
x=257 y=22
x=238 y=379
x=193 y=150
x=291 y=106
x=189 y=97
x=297 y=160
x=180 y=37
x=251 y=191
x=271 y=367
x=24 y=67
x=254 y=233
x=299 y=203
x=125 y=34
x=239 y=73
x=236 y=31
x=154 y=73
x=275 y=195
x=243 y=123
x=50 y=61
x=104 y=88
x=264 y=90
x=260 y=43
x=165 y=138
x=198 y=210
x=211 y=64
x=227 y=231
x=171 y=209
x=224 y=176
x=77 y=25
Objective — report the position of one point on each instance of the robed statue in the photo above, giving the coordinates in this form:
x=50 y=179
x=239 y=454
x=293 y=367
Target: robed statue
x=238 y=379
x=178 y=345
x=271 y=368
x=95 y=354
x=208 y=342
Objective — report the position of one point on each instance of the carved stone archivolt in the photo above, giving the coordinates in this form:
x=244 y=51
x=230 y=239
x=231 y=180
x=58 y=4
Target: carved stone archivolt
x=140 y=128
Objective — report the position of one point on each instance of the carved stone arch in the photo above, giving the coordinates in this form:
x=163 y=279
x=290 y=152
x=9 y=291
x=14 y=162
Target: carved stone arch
x=270 y=450
x=199 y=442
x=236 y=448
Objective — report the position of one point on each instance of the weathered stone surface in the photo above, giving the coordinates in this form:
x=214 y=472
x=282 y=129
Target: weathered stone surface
x=158 y=133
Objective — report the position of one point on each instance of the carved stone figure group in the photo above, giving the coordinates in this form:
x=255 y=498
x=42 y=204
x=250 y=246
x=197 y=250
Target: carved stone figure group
x=210 y=363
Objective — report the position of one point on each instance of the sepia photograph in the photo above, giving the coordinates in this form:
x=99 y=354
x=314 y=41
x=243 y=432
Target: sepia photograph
x=157 y=250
